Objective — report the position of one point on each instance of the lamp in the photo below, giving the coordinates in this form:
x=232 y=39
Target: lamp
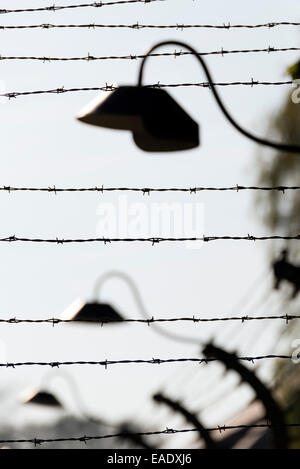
x=91 y=313
x=157 y=122
x=43 y=398
x=47 y=399
x=139 y=303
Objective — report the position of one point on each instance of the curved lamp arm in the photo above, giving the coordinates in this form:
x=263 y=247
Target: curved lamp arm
x=246 y=133
x=74 y=388
x=140 y=305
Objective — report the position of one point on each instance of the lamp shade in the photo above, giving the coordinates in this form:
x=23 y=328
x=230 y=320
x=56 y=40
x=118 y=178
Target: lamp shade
x=92 y=312
x=43 y=398
x=156 y=120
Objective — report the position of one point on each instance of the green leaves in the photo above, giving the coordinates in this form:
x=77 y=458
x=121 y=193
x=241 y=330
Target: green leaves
x=294 y=71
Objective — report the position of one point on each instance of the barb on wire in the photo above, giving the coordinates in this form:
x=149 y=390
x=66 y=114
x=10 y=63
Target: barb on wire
x=152 y=240
x=153 y=361
x=137 y=26
x=167 y=431
x=148 y=190
x=194 y=319
x=175 y=54
x=98 y=4
x=108 y=88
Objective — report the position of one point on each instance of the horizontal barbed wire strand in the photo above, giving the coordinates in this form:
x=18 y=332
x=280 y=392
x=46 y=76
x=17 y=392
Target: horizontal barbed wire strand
x=168 y=431
x=90 y=58
x=62 y=90
x=152 y=361
x=152 y=240
x=81 y=5
x=194 y=319
x=138 y=26
x=148 y=190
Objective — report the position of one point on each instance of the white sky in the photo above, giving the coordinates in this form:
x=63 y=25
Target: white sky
x=43 y=144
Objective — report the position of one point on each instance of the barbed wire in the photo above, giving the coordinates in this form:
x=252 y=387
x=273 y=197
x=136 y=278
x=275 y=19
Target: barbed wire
x=62 y=89
x=81 y=5
x=148 y=190
x=194 y=319
x=168 y=431
x=175 y=54
x=152 y=240
x=153 y=361
x=138 y=26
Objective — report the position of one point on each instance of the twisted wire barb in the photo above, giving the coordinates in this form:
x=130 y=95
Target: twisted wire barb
x=148 y=190
x=152 y=240
x=90 y=58
x=137 y=26
x=81 y=5
x=168 y=431
x=153 y=361
x=194 y=319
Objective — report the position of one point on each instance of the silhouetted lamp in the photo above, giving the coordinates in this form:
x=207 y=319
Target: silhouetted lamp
x=43 y=398
x=84 y=311
x=92 y=313
x=156 y=120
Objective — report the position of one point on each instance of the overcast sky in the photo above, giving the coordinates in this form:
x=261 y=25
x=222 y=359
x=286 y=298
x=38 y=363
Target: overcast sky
x=42 y=144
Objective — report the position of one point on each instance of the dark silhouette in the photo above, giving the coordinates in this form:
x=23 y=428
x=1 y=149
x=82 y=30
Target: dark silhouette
x=44 y=398
x=190 y=417
x=96 y=313
x=156 y=121
x=273 y=411
x=129 y=433
x=284 y=270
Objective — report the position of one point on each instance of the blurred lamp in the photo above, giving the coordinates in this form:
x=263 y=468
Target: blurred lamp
x=43 y=398
x=92 y=313
x=157 y=122
x=78 y=308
